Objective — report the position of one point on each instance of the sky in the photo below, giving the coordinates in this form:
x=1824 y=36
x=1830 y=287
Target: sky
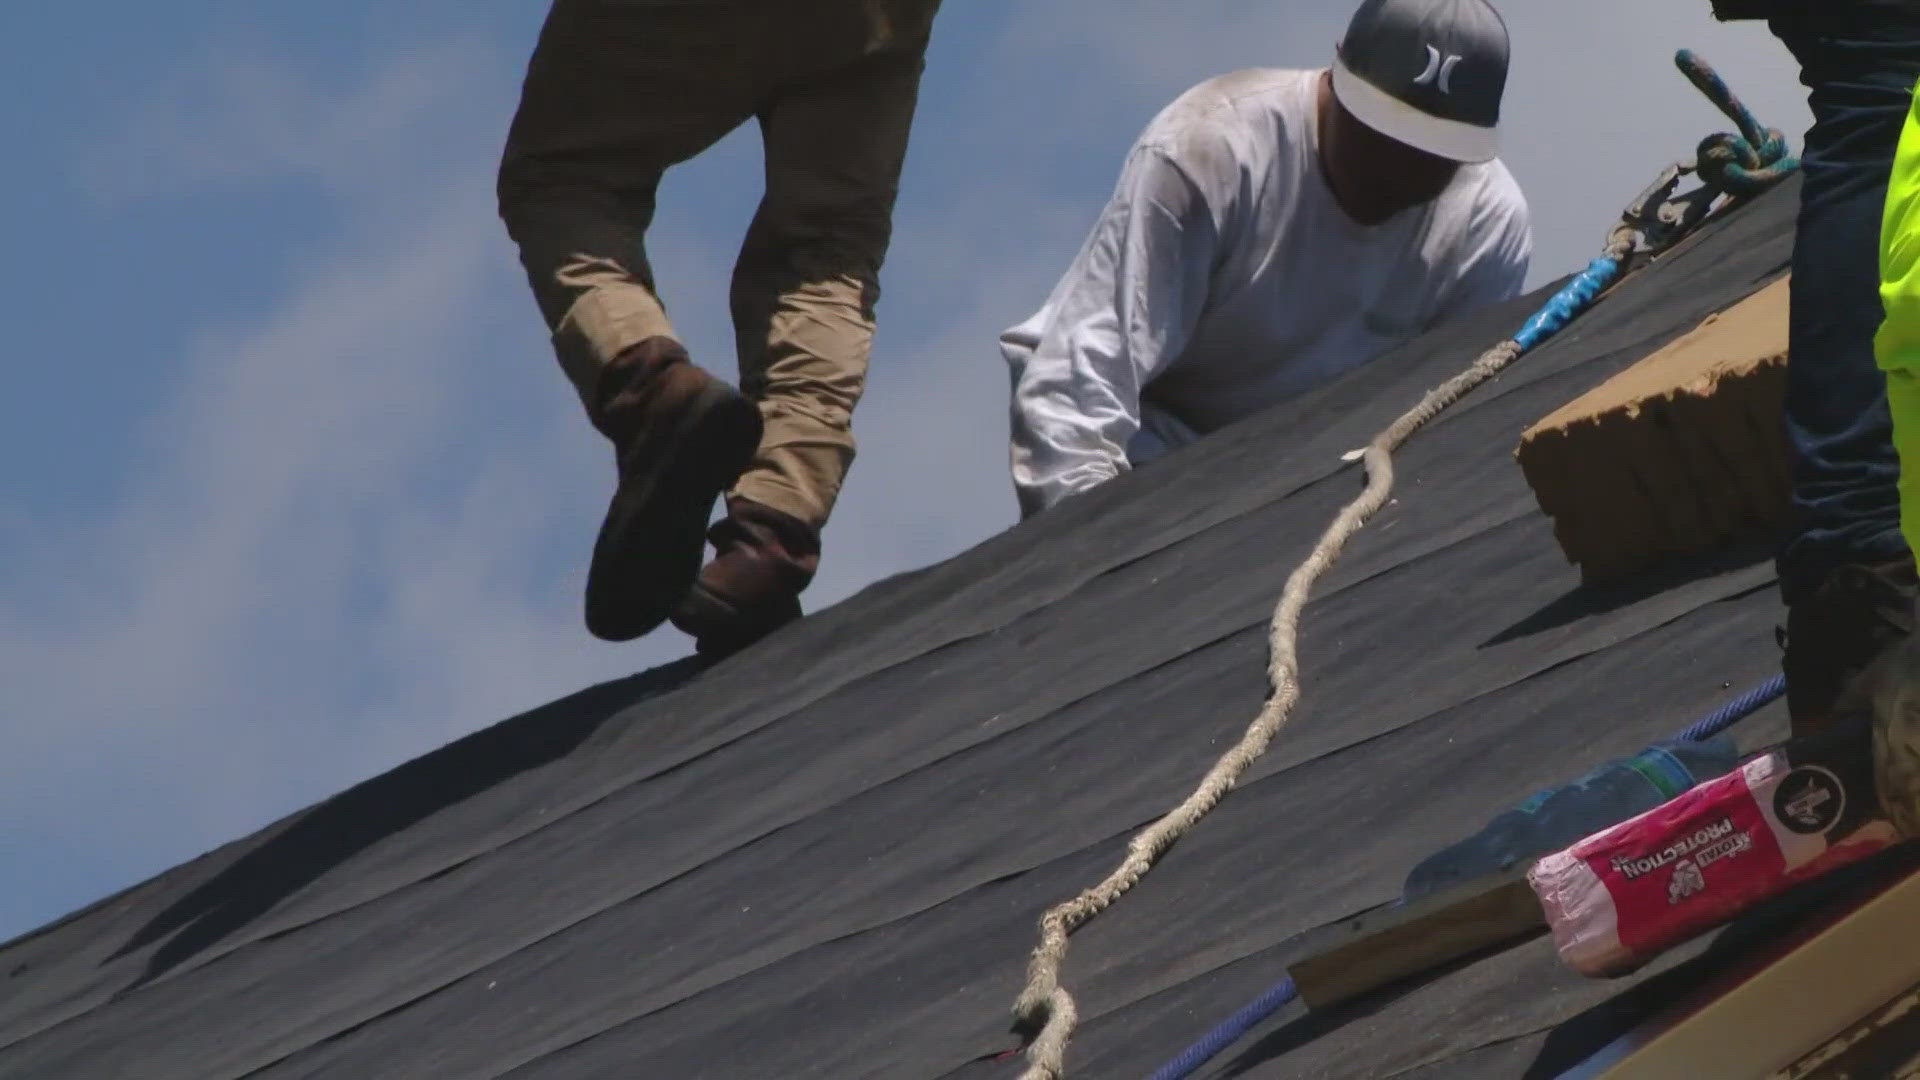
x=294 y=489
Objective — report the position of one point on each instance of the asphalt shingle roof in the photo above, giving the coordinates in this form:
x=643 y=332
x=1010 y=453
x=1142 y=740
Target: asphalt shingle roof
x=825 y=858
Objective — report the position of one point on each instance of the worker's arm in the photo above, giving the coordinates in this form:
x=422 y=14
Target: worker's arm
x=1499 y=249
x=1897 y=345
x=1124 y=310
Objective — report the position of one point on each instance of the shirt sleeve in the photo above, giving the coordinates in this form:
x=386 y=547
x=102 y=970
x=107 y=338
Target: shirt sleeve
x=1499 y=251
x=1124 y=310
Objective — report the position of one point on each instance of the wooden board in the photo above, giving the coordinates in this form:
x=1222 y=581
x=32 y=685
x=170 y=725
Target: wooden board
x=1382 y=946
x=1678 y=454
x=1883 y=1046
x=1778 y=1013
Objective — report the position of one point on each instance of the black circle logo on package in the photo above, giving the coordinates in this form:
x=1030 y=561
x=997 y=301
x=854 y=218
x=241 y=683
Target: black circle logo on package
x=1809 y=800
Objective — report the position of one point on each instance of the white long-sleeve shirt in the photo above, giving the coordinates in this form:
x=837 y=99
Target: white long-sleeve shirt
x=1223 y=277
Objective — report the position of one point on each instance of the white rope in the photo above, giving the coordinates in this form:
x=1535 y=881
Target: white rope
x=1045 y=1002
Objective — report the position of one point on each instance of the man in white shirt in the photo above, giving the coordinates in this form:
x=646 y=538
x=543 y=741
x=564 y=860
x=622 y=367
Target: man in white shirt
x=1270 y=230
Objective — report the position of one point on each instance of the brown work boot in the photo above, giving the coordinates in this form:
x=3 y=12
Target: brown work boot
x=680 y=438
x=1836 y=631
x=752 y=587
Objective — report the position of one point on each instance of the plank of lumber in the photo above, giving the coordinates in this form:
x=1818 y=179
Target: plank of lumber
x=1680 y=453
x=1775 y=1016
x=1382 y=946
x=1886 y=1044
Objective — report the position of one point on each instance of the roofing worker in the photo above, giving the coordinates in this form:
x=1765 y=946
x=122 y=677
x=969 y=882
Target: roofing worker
x=1845 y=571
x=1270 y=230
x=615 y=94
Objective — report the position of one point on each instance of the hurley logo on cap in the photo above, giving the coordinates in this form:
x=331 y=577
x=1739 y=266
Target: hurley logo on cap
x=1443 y=69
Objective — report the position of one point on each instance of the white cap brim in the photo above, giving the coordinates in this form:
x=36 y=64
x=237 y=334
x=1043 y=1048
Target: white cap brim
x=1401 y=122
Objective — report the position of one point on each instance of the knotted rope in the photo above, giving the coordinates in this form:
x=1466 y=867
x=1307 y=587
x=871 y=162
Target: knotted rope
x=1743 y=164
x=1045 y=1009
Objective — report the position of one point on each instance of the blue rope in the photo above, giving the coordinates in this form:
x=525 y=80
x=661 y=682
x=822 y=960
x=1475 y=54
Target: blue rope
x=1736 y=710
x=1277 y=997
x=1229 y=1031
x=1570 y=301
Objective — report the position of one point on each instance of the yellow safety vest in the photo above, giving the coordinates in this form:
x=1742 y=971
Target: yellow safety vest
x=1897 y=345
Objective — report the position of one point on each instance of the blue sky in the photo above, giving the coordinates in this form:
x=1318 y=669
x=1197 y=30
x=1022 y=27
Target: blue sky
x=295 y=490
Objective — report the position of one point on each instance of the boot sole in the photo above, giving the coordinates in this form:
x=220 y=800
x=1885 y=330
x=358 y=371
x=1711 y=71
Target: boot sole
x=720 y=628
x=648 y=552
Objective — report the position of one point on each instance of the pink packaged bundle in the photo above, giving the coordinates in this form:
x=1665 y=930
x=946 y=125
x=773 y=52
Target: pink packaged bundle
x=1624 y=895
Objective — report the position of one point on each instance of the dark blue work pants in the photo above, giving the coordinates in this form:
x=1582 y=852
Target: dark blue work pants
x=1860 y=72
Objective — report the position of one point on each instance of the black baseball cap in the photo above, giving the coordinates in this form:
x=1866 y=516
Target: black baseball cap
x=1427 y=73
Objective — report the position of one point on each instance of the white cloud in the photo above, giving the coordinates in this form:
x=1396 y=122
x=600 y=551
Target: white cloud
x=332 y=557
x=243 y=112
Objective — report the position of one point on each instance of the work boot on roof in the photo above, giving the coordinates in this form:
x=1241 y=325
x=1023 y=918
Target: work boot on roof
x=1889 y=691
x=681 y=437
x=752 y=587
x=1837 y=630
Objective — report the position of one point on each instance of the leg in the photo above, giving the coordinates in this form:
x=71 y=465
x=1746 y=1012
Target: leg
x=1845 y=567
x=614 y=95
x=803 y=309
x=1844 y=474
x=808 y=276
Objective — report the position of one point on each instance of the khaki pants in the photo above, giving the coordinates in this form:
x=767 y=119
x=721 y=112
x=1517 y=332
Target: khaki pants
x=620 y=90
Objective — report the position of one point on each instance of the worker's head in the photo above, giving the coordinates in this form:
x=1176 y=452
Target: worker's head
x=1414 y=92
